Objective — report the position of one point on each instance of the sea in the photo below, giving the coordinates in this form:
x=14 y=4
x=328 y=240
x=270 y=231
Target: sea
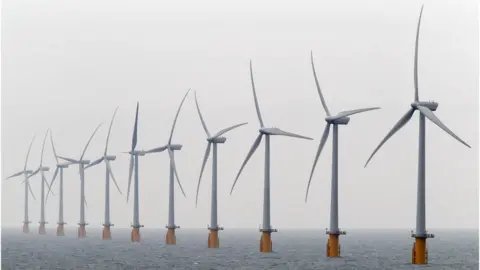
x=239 y=249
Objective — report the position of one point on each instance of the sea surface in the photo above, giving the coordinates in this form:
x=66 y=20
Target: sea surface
x=293 y=249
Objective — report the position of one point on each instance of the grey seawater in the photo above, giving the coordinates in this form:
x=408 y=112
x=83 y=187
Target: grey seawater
x=293 y=249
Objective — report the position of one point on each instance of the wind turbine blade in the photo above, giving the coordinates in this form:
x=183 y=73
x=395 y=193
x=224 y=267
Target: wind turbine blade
x=31 y=191
x=33 y=173
x=46 y=182
x=51 y=183
x=352 y=112
x=113 y=177
x=43 y=147
x=415 y=67
x=53 y=147
x=326 y=132
x=157 y=150
x=429 y=114
x=134 y=136
x=324 y=104
x=109 y=130
x=172 y=162
x=94 y=163
x=395 y=128
x=14 y=175
x=201 y=117
x=70 y=159
x=255 y=96
x=28 y=153
x=223 y=131
x=176 y=116
x=89 y=140
x=205 y=158
x=277 y=131
x=255 y=145
x=130 y=171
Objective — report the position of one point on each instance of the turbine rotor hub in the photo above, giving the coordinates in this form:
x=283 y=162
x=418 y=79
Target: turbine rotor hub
x=44 y=169
x=431 y=105
x=175 y=147
x=335 y=120
x=110 y=157
x=217 y=139
x=84 y=162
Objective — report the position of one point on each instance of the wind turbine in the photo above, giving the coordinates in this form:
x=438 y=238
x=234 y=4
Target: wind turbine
x=213 y=240
x=81 y=164
x=134 y=154
x=42 y=169
x=26 y=174
x=333 y=245
x=170 y=238
x=106 y=235
x=60 y=167
x=265 y=240
x=426 y=108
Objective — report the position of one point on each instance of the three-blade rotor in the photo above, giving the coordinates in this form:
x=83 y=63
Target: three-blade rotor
x=425 y=108
x=262 y=131
x=210 y=140
x=341 y=118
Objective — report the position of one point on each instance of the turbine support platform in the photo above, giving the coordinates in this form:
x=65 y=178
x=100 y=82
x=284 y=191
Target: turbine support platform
x=61 y=229
x=82 y=232
x=213 y=240
x=170 y=238
x=266 y=240
x=25 y=228
x=106 y=234
x=135 y=236
x=419 y=250
x=333 y=243
x=41 y=228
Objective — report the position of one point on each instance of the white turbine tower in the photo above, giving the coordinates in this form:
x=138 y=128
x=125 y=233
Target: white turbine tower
x=60 y=167
x=106 y=235
x=170 y=238
x=134 y=154
x=26 y=174
x=333 y=245
x=42 y=169
x=426 y=108
x=213 y=240
x=265 y=240
x=81 y=164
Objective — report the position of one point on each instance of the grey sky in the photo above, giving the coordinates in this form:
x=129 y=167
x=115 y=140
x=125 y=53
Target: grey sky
x=66 y=65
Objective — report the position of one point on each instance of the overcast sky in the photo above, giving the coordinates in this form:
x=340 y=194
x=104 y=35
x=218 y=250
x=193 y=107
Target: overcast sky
x=66 y=65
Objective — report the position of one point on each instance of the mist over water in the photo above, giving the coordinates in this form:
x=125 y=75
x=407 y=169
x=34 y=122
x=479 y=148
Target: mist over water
x=293 y=249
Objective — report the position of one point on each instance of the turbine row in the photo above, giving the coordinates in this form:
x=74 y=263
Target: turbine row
x=333 y=121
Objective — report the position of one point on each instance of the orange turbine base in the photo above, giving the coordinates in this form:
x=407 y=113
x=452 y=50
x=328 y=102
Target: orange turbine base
x=333 y=246
x=106 y=234
x=213 y=240
x=25 y=228
x=60 y=230
x=82 y=233
x=266 y=242
x=41 y=229
x=135 y=236
x=170 y=238
x=419 y=251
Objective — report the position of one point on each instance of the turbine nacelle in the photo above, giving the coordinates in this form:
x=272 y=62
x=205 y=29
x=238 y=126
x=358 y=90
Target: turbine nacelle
x=431 y=105
x=335 y=120
x=217 y=139
x=175 y=147
x=110 y=158
x=84 y=162
x=44 y=169
x=29 y=171
x=63 y=165
x=138 y=153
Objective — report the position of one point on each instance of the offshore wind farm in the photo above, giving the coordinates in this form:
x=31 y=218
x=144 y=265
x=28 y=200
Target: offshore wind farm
x=283 y=96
